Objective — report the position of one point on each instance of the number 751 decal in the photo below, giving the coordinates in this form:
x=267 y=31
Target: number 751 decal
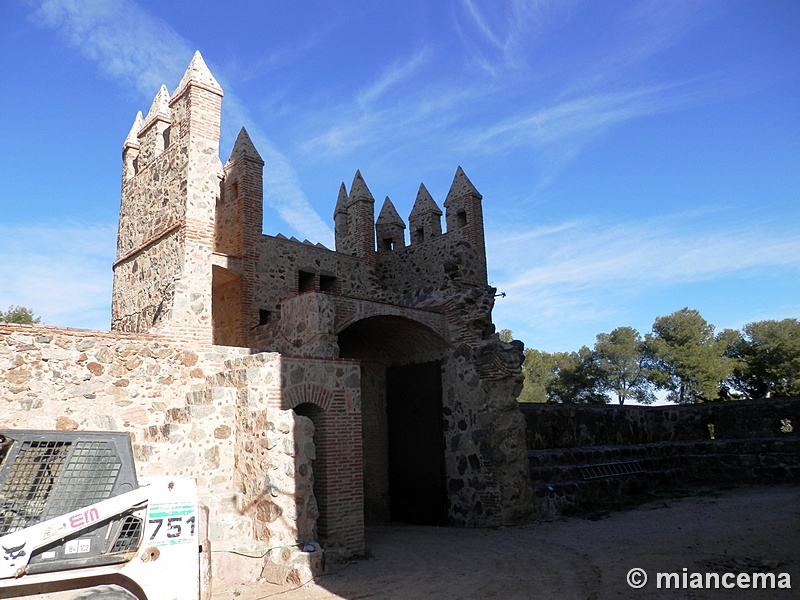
x=174 y=529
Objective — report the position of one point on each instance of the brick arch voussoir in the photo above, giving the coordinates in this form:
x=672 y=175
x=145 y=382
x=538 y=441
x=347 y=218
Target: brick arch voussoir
x=306 y=393
x=350 y=320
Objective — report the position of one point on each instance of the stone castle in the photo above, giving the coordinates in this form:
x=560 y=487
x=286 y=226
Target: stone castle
x=310 y=391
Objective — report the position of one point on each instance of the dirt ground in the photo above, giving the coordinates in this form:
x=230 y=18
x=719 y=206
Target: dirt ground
x=742 y=529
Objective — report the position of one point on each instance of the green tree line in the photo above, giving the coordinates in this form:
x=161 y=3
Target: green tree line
x=18 y=314
x=682 y=356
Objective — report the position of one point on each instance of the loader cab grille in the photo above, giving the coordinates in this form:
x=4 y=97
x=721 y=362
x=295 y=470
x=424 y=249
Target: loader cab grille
x=45 y=474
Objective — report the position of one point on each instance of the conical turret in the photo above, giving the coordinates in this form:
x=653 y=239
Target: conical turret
x=464 y=216
x=389 y=228
x=197 y=102
x=463 y=203
x=425 y=220
x=155 y=130
x=130 y=148
x=355 y=221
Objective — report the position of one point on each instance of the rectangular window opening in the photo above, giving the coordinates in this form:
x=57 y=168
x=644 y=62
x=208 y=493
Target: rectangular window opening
x=305 y=281
x=327 y=283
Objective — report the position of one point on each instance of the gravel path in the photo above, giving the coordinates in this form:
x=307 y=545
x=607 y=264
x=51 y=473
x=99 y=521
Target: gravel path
x=743 y=529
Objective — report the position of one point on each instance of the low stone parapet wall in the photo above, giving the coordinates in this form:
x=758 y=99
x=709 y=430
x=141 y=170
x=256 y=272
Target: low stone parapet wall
x=578 y=425
x=579 y=480
x=585 y=458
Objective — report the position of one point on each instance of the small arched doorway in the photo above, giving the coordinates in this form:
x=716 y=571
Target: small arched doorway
x=315 y=472
x=402 y=421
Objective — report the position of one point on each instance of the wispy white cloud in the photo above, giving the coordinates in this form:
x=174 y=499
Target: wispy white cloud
x=351 y=127
x=130 y=45
x=394 y=74
x=66 y=278
x=502 y=35
x=581 y=269
x=124 y=41
x=459 y=115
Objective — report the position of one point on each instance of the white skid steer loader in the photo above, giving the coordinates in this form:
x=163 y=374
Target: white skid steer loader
x=76 y=523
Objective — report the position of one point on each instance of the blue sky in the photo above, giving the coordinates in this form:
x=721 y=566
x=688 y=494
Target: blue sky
x=634 y=157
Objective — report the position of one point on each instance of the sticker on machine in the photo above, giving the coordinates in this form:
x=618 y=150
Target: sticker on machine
x=78 y=546
x=172 y=523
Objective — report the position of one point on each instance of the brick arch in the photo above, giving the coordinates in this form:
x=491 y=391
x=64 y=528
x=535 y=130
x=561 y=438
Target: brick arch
x=303 y=393
x=350 y=311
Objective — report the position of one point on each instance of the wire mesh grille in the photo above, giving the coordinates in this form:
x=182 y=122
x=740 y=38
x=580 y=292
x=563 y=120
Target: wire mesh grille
x=129 y=535
x=29 y=483
x=88 y=477
x=50 y=478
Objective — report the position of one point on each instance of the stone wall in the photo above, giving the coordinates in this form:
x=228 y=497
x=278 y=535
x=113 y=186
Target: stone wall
x=224 y=416
x=281 y=260
x=574 y=425
x=589 y=457
x=486 y=460
x=441 y=262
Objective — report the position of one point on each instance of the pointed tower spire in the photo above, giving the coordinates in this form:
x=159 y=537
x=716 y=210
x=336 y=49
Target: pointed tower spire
x=132 y=141
x=341 y=201
x=243 y=147
x=130 y=148
x=359 y=189
x=341 y=222
x=389 y=215
x=424 y=203
x=154 y=132
x=461 y=187
x=425 y=220
x=389 y=228
x=355 y=221
x=197 y=73
x=159 y=109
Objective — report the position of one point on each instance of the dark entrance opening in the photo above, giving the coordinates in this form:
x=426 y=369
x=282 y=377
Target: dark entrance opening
x=416 y=451
x=385 y=344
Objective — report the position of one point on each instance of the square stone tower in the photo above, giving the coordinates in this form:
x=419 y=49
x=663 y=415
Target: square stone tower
x=170 y=188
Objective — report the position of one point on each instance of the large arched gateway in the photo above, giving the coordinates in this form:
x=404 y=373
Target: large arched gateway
x=402 y=418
